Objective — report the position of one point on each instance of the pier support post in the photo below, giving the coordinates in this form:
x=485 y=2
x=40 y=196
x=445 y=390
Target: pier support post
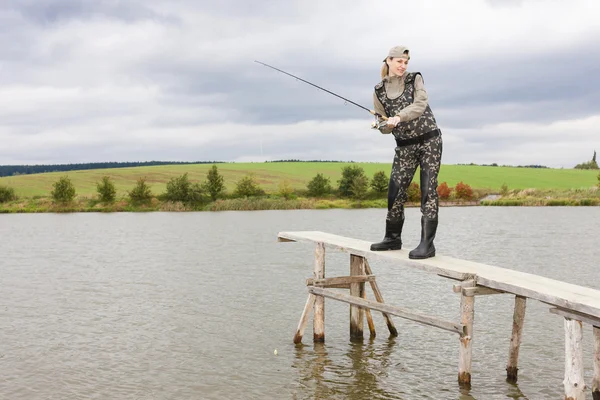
x=319 y=313
x=357 y=314
x=515 y=340
x=379 y=298
x=573 y=382
x=596 y=379
x=467 y=314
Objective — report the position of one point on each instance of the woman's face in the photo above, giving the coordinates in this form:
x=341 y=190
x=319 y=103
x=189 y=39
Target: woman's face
x=397 y=65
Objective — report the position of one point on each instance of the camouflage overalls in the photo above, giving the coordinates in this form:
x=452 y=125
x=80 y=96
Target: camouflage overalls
x=426 y=153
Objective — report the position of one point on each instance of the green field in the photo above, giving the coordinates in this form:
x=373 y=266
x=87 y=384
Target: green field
x=270 y=175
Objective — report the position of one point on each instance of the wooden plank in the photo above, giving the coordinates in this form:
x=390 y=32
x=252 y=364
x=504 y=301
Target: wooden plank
x=339 y=280
x=379 y=298
x=319 y=307
x=573 y=382
x=310 y=302
x=362 y=248
x=467 y=314
x=400 y=312
x=515 y=339
x=575 y=315
x=369 y=317
x=357 y=289
x=596 y=379
x=574 y=297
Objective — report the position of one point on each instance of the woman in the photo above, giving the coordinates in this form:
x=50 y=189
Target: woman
x=401 y=97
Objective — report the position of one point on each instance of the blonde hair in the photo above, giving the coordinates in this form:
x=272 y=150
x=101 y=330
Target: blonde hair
x=385 y=69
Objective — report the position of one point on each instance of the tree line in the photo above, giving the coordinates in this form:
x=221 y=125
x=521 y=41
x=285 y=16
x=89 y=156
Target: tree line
x=353 y=184
x=11 y=170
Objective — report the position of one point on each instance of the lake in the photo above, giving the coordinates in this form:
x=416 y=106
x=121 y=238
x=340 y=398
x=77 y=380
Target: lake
x=193 y=306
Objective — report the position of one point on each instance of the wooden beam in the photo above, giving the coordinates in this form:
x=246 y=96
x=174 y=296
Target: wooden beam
x=467 y=313
x=596 y=379
x=340 y=281
x=400 y=312
x=379 y=298
x=357 y=289
x=469 y=288
x=369 y=317
x=319 y=316
x=588 y=319
x=515 y=340
x=310 y=302
x=574 y=383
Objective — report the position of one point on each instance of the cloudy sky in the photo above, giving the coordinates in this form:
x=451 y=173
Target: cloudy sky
x=511 y=82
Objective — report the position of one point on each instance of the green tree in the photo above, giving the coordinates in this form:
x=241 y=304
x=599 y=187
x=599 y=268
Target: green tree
x=215 y=183
x=248 y=187
x=286 y=190
x=64 y=190
x=106 y=190
x=319 y=186
x=7 y=194
x=380 y=182
x=359 y=187
x=181 y=189
x=592 y=164
x=178 y=188
x=141 y=192
x=349 y=173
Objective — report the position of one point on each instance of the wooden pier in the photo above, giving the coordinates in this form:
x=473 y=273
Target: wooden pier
x=576 y=304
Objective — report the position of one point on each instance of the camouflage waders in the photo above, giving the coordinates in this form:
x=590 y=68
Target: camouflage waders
x=419 y=144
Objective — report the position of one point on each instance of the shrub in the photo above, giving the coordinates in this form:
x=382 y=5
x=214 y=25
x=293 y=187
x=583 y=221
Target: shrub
x=181 y=189
x=215 y=183
x=64 y=191
x=504 y=189
x=248 y=187
x=380 y=182
x=319 y=186
x=463 y=191
x=178 y=189
x=414 y=192
x=285 y=190
x=359 y=187
x=598 y=184
x=7 y=194
x=349 y=172
x=141 y=192
x=444 y=191
x=106 y=190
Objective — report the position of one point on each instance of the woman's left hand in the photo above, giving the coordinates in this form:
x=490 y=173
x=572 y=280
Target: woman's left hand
x=393 y=121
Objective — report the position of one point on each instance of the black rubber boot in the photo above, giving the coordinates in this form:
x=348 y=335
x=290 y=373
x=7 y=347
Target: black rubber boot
x=425 y=249
x=392 y=240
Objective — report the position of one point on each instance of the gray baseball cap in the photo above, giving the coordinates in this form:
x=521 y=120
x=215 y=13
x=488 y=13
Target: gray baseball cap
x=398 y=51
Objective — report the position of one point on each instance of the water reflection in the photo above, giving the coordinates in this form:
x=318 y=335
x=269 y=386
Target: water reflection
x=359 y=372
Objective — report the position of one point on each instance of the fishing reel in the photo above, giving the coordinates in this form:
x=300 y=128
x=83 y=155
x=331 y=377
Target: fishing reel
x=377 y=124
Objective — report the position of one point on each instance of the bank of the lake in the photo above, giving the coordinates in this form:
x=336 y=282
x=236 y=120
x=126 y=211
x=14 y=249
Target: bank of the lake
x=531 y=197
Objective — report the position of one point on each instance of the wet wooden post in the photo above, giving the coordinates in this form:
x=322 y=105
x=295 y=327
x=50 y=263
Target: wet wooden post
x=596 y=379
x=319 y=314
x=357 y=314
x=515 y=340
x=310 y=303
x=379 y=298
x=467 y=314
x=573 y=382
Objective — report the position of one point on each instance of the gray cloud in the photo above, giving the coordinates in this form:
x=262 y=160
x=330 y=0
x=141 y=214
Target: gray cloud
x=117 y=80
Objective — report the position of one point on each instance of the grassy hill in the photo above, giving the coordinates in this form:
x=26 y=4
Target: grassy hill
x=298 y=174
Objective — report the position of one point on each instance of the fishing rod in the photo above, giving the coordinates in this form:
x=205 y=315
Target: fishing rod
x=375 y=125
